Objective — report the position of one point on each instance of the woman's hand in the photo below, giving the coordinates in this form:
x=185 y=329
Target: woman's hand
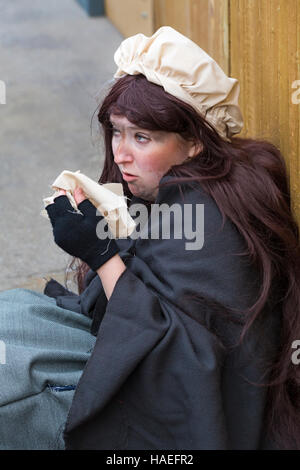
x=76 y=233
x=79 y=195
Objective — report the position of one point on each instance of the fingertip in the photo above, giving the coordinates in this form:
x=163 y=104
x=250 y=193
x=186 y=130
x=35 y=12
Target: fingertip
x=79 y=195
x=79 y=190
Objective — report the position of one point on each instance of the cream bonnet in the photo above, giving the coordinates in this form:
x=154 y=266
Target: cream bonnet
x=184 y=70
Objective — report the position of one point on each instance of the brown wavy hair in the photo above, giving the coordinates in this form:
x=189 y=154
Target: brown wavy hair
x=248 y=180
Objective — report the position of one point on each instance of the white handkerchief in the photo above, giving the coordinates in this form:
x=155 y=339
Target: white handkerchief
x=108 y=198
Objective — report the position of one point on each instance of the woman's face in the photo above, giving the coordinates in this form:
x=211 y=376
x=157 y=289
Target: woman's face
x=144 y=156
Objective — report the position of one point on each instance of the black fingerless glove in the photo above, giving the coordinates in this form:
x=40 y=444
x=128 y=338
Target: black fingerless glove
x=76 y=233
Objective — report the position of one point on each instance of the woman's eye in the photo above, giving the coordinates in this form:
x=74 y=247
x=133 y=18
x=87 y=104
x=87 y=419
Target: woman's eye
x=141 y=138
x=115 y=131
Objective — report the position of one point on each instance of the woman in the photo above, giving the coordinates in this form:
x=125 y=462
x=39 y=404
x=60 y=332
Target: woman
x=193 y=342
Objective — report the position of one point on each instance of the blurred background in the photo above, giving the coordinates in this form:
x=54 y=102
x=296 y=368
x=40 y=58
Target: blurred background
x=56 y=61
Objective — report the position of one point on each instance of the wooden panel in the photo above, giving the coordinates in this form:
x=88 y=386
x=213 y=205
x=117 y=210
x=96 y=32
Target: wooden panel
x=203 y=21
x=264 y=56
x=293 y=139
x=209 y=29
x=175 y=13
x=131 y=16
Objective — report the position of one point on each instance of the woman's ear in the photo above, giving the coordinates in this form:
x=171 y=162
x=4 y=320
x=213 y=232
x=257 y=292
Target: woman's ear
x=195 y=149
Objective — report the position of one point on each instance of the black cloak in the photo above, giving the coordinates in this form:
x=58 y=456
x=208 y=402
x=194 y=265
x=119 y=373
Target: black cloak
x=166 y=371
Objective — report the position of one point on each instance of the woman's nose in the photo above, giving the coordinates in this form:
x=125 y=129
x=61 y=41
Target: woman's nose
x=123 y=152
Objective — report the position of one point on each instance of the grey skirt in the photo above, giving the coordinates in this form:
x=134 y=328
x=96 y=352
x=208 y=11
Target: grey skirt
x=43 y=351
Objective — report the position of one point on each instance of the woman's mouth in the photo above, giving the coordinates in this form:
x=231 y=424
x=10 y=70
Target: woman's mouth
x=128 y=176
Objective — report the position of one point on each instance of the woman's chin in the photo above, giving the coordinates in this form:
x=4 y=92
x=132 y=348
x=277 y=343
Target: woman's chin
x=142 y=193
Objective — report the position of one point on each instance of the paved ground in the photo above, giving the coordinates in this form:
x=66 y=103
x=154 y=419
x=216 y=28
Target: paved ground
x=54 y=60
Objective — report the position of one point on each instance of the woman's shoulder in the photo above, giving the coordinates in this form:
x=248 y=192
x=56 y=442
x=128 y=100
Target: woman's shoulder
x=191 y=199
x=171 y=189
